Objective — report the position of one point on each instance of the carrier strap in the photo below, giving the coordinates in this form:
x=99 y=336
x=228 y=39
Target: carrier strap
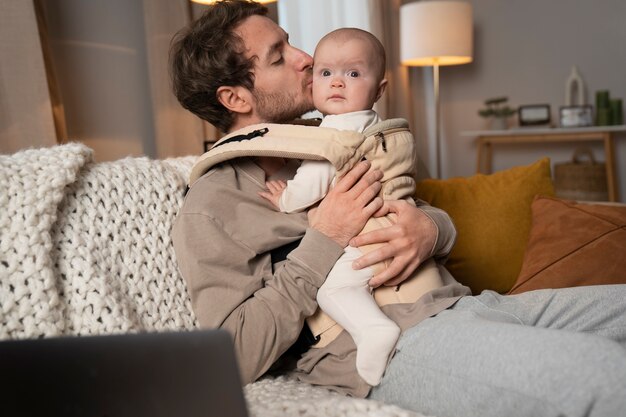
x=341 y=148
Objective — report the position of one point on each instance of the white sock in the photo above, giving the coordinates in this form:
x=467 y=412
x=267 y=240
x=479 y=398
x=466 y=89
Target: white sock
x=346 y=297
x=374 y=334
x=374 y=346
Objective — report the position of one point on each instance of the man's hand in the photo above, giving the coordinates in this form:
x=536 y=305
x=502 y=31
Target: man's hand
x=409 y=242
x=275 y=189
x=342 y=214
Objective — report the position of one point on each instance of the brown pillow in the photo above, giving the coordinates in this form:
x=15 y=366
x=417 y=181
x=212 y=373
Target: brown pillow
x=573 y=244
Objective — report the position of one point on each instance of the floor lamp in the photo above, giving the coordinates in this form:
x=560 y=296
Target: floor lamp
x=436 y=33
x=213 y=1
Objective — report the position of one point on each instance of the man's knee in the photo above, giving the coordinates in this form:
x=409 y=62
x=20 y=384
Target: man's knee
x=605 y=359
x=596 y=375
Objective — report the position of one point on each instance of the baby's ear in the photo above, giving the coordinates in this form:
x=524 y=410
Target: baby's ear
x=381 y=88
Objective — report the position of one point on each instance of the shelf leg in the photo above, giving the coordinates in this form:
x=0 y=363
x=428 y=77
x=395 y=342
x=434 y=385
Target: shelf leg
x=479 y=156
x=488 y=157
x=611 y=180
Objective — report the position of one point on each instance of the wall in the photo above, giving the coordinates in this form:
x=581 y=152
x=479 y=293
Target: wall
x=525 y=50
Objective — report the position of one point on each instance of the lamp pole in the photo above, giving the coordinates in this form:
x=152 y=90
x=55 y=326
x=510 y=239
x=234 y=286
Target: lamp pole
x=437 y=115
x=436 y=33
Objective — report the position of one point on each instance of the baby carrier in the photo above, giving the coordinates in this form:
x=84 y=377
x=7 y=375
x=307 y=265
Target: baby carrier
x=388 y=145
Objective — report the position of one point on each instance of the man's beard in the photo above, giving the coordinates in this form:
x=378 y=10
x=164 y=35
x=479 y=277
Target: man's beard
x=280 y=106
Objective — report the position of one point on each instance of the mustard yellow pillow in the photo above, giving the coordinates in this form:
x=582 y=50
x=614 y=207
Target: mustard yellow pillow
x=492 y=215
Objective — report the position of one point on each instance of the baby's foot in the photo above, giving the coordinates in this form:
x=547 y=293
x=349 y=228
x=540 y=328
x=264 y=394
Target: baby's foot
x=373 y=350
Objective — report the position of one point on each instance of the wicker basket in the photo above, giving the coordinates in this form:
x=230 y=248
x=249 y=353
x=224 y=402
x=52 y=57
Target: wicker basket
x=581 y=179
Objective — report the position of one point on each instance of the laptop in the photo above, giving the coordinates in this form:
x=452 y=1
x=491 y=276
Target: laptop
x=147 y=374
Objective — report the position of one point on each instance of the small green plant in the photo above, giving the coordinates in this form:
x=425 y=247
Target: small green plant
x=497 y=107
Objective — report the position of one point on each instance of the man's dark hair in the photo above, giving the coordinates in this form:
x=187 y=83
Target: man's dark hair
x=207 y=55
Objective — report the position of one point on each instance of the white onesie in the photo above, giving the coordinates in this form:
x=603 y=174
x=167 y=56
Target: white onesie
x=345 y=295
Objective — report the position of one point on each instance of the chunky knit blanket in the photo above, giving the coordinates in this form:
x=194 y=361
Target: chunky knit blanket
x=85 y=249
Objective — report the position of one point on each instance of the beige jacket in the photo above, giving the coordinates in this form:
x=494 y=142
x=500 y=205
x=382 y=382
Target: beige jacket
x=224 y=236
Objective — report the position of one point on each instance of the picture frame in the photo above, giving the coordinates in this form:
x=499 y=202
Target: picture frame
x=576 y=116
x=534 y=114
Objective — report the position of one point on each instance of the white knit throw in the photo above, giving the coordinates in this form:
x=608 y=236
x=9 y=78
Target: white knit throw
x=285 y=397
x=85 y=249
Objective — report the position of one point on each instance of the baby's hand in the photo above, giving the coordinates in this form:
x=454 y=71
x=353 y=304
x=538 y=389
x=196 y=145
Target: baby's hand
x=275 y=190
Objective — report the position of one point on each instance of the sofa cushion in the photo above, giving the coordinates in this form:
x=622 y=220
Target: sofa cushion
x=493 y=218
x=573 y=244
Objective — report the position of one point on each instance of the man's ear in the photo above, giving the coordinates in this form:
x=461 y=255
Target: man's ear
x=235 y=99
x=381 y=88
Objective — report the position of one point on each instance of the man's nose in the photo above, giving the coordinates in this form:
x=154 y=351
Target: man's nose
x=302 y=60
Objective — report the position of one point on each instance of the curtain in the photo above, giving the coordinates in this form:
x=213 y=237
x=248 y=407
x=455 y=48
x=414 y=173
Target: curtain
x=406 y=86
x=26 y=118
x=177 y=131
x=307 y=21
x=33 y=109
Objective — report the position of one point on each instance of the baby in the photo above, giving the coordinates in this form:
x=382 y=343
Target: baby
x=348 y=78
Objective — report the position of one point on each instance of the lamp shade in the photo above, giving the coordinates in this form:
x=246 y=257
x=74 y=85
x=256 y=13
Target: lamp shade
x=213 y=1
x=436 y=33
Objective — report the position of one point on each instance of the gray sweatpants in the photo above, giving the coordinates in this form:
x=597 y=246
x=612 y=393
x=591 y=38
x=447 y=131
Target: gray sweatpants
x=541 y=353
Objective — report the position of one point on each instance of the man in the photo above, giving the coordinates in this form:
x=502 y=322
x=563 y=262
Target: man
x=458 y=356
x=273 y=86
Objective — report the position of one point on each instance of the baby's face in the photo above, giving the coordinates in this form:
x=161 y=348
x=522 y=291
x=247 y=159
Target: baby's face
x=344 y=77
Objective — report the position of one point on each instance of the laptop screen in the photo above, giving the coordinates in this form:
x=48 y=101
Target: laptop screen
x=147 y=374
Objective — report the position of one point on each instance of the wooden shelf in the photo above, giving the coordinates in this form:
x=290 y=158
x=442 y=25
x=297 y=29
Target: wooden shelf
x=487 y=138
x=530 y=131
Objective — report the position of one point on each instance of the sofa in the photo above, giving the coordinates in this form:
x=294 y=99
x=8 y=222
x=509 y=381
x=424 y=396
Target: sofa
x=85 y=249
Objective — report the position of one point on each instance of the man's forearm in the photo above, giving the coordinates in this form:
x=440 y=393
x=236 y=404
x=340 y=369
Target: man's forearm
x=236 y=289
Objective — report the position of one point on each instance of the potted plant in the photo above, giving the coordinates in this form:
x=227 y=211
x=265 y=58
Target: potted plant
x=498 y=110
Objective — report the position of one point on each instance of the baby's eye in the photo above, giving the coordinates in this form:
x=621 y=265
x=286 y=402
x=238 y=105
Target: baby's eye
x=353 y=74
x=325 y=73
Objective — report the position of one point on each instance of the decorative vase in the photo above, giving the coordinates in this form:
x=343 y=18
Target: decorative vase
x=603 y=109
x=499 y=123
x=617 y=113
